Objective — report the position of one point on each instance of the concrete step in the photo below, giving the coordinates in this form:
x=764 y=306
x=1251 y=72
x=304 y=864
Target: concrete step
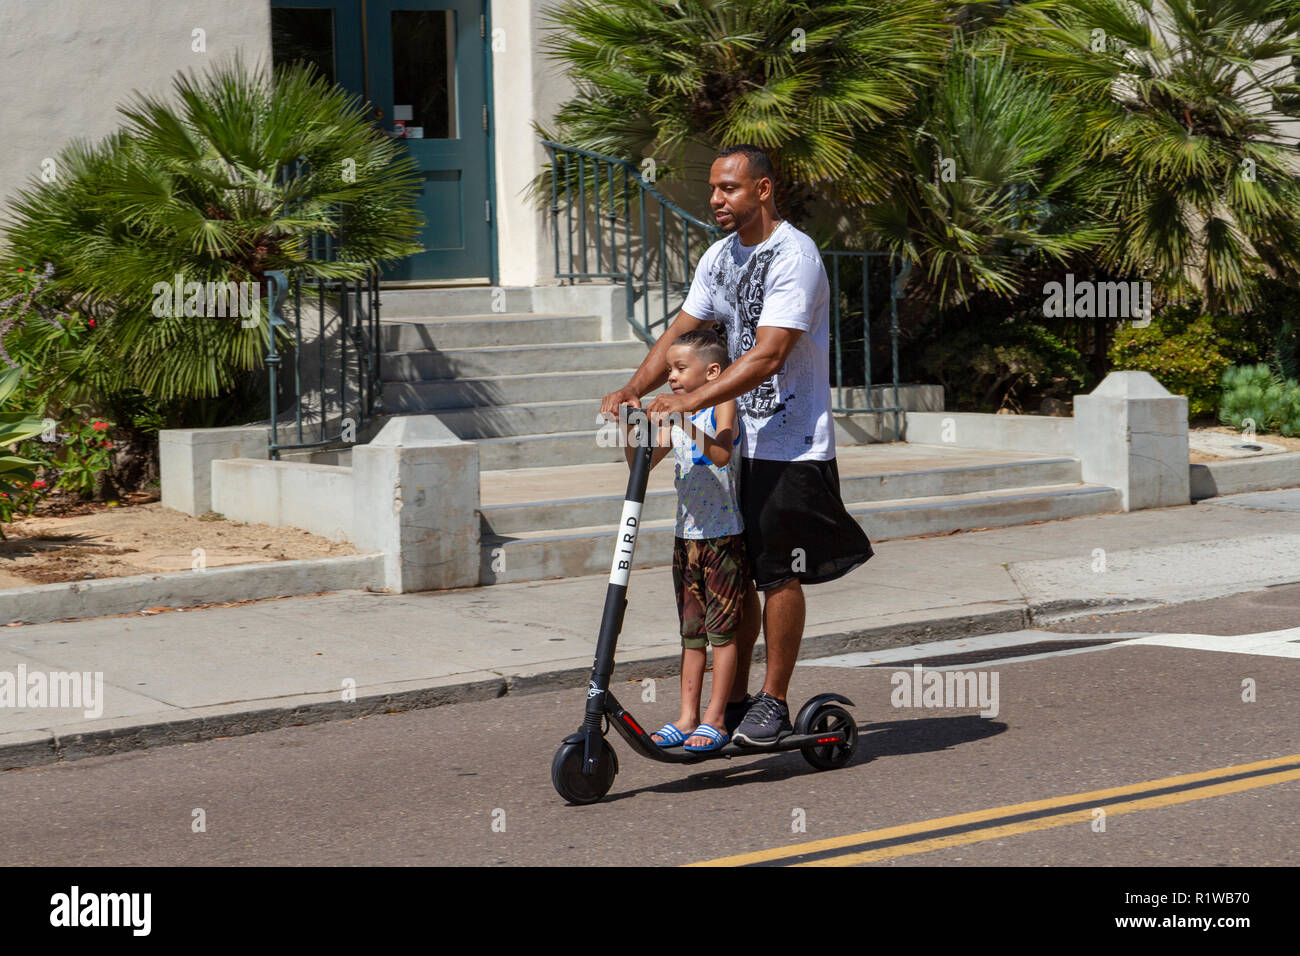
x=428 y=365
x=484 y=331
x=987 y=509
x=503 y=390
x=531 y=419
x=536 y=419
x=560 y=513
x=418 y=303
x=534 y=451
x=537 y=555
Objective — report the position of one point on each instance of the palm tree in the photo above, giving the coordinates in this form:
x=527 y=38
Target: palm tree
x=1187 y=101
x=993 y=184
x=228 y=182
x=813 y=83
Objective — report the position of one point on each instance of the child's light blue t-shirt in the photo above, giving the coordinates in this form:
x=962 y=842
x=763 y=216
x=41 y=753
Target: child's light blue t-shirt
x=708 y=503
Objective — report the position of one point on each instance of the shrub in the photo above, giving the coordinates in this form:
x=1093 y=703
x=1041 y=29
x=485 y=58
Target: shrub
x=1184 y=351
x=225 y=182
x=87 y=449
x=1254 y=393
x=16 y=472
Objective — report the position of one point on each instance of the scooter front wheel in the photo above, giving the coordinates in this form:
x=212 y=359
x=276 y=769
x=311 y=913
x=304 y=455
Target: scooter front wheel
x=575 y=786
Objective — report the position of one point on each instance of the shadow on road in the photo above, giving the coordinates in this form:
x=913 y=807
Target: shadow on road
x=893 y=738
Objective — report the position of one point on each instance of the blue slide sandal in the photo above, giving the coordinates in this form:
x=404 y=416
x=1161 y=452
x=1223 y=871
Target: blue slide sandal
x=718 y=740
x=671 y=735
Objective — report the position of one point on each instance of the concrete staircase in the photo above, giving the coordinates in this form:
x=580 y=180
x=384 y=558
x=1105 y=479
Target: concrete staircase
x=527 y=387
x=549 y=522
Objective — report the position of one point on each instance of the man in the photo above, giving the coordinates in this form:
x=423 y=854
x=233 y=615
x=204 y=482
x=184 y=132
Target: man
x=765 y=286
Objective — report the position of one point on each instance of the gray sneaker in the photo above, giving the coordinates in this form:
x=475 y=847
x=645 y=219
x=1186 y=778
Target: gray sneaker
x=765 y=724
x=736 y=711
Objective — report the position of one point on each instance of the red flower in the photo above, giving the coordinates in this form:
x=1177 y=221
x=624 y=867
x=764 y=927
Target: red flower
x=91 y=323
x=38 y=484
x=20 y=270
x=107 y=444
x=100 y=426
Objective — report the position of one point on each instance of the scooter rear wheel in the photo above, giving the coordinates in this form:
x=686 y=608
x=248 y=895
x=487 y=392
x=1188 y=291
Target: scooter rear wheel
x=575 y=786
x=828 y=719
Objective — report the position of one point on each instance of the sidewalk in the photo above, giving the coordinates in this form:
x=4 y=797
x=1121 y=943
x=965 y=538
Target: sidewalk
x=184 y=676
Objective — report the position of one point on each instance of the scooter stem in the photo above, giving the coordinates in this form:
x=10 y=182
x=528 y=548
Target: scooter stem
x=611 y=621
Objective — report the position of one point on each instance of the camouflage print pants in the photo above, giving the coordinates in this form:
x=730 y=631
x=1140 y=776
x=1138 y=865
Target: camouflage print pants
x=711 y=576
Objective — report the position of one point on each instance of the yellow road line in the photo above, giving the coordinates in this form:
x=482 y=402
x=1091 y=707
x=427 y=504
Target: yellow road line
x=1081 y=816
x=992 y=832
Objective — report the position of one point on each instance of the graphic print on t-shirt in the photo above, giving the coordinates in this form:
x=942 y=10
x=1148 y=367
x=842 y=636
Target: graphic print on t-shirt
x=762 y=401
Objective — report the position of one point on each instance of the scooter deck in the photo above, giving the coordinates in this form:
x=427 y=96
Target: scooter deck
x=639 y=740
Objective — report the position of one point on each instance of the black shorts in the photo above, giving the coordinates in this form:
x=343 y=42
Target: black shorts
x=796 y=525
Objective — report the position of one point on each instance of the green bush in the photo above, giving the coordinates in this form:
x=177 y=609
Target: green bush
x=1255 y=393
x=16 y=426
x=1184 y=351
x=225 y=181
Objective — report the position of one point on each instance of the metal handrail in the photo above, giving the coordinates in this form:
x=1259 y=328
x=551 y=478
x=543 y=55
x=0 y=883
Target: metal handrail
x=642 y=326
x=356 y=391
x=355 y=328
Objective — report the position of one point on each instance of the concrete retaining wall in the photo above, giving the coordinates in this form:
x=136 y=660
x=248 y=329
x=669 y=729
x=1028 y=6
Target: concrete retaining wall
x=1051 y=436
x=1129 y=433
x=914 y=398
x=185 y=457
x=315 y=498
x=412 y=495
x=415 y=498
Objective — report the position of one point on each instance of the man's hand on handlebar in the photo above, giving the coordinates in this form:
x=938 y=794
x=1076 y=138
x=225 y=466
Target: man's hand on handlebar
x=609 y=405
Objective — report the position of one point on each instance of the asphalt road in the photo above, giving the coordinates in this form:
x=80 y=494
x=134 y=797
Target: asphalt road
x=470 y=784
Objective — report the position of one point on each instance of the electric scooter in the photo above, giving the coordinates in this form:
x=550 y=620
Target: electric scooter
x=584 y=767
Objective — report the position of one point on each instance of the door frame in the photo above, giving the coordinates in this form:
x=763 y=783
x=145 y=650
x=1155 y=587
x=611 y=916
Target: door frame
x=357 y=8
x=494 y=274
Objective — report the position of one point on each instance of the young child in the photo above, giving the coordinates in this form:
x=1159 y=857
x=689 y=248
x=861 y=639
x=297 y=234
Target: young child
x=710 y=570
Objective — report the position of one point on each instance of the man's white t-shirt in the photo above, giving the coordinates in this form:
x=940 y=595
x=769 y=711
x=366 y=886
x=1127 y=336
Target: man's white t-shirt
x=779 y=282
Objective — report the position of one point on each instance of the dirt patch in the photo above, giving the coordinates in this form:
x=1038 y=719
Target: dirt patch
x=110 y=542
x=1197 y=457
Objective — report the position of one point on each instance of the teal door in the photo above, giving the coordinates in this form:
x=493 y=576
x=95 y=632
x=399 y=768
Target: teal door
x=423 y=67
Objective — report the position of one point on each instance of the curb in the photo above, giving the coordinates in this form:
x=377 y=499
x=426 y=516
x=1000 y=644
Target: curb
x=42 y=748
x=1066 y=609
x=104 y=597
x=1213 y=479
